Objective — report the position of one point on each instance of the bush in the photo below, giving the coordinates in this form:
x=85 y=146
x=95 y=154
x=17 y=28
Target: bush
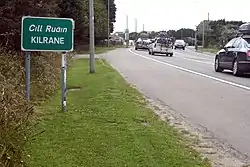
x=15 y=112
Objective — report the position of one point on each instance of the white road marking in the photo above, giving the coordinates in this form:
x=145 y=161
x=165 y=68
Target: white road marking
x=195 y=56
x=198 y=61
x=194 y=72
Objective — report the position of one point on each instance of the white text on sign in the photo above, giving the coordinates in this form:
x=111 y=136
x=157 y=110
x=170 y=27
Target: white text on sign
x=47 y=40
x=48 y=28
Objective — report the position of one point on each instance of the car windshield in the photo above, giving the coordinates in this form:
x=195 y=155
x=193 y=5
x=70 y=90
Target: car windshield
x=248 y=41
x=179 y=41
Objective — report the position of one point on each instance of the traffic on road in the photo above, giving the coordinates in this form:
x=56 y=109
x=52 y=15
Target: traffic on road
x=80 y=88
x=234 y=56
x=187 y=83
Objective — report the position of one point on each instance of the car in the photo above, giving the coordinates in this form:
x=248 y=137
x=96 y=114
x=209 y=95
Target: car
x=234 y=56
x=161 y=46
x=179 y=43
x=142 y=44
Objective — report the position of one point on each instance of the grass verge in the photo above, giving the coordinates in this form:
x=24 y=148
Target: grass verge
x=107 y=123
x=210 y=50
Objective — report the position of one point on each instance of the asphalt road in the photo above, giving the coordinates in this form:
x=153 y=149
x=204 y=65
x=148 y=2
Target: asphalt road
x=188 y=84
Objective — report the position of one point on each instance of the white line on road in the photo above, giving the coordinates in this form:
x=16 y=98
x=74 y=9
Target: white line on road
x=195 y=55
x=198 y=61
x=193 y=72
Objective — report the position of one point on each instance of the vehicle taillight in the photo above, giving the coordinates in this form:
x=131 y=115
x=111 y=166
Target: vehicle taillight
x=248 y=53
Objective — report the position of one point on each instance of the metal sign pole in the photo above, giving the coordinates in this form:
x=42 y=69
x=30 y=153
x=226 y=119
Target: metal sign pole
x=92 y=37
x=64 y=66
x=27 y=75
x=108 y=20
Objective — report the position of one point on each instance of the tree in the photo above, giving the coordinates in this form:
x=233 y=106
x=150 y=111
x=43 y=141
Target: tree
x=101 y=19
x=221 y=31
x=171 y=33
x=229 y=31
x=182 y=33
x=112 y=13
x=152 y=34
x=10 y=23
x=77 y=10
x=143 y=35
x=133 y=35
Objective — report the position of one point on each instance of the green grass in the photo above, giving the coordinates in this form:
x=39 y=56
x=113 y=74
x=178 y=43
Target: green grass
x=210 y=50
x=106 y=124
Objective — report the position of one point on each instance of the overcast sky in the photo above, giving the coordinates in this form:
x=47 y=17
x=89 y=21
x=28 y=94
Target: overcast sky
x=174 y=14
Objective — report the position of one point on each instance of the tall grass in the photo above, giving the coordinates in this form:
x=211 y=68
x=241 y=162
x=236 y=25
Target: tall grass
x=15 y=113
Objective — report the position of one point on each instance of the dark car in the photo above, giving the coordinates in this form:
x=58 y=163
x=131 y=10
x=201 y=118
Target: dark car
x=141 y=45
x=235 y=56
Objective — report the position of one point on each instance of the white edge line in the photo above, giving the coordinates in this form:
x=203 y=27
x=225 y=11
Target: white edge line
x=194 y=72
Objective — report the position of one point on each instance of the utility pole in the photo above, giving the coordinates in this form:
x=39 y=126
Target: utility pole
x=92 y=37
x=127 y=21
x=182 y=33
x=195 y=41
x=108 y=20
x=143 y=28
x=135 y=25
x=208 y=16
x=203 y=34
x=136 y=35
x=193 y=37
x=127 y=32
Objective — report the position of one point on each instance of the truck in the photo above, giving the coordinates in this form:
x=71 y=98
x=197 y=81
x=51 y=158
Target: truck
x=161 y=46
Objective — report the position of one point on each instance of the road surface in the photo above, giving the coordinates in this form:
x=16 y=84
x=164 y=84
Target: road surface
x=187 y=82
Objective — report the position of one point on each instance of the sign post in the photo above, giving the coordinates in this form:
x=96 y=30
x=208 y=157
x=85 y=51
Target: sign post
x=47 y=34
x=27 y=75
x=64 y=90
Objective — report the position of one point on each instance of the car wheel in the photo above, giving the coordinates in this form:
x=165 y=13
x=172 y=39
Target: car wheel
x=171 y=54
x=236 y=71
x=136 y=49
x=149 y=52
x=217 y=67
x=183 y=48
x=152 y=53
x=174 y=47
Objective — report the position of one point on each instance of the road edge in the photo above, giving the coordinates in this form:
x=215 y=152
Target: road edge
x=218 y=152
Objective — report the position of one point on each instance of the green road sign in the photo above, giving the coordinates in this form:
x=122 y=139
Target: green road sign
x=47 y=34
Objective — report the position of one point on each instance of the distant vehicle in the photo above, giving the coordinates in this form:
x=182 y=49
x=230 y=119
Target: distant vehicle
x=179 y=43
x=142 y=44
x=235 y=56
x=161 y=46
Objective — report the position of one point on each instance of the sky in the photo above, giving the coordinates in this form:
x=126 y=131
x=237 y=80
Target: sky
x=159 y=15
